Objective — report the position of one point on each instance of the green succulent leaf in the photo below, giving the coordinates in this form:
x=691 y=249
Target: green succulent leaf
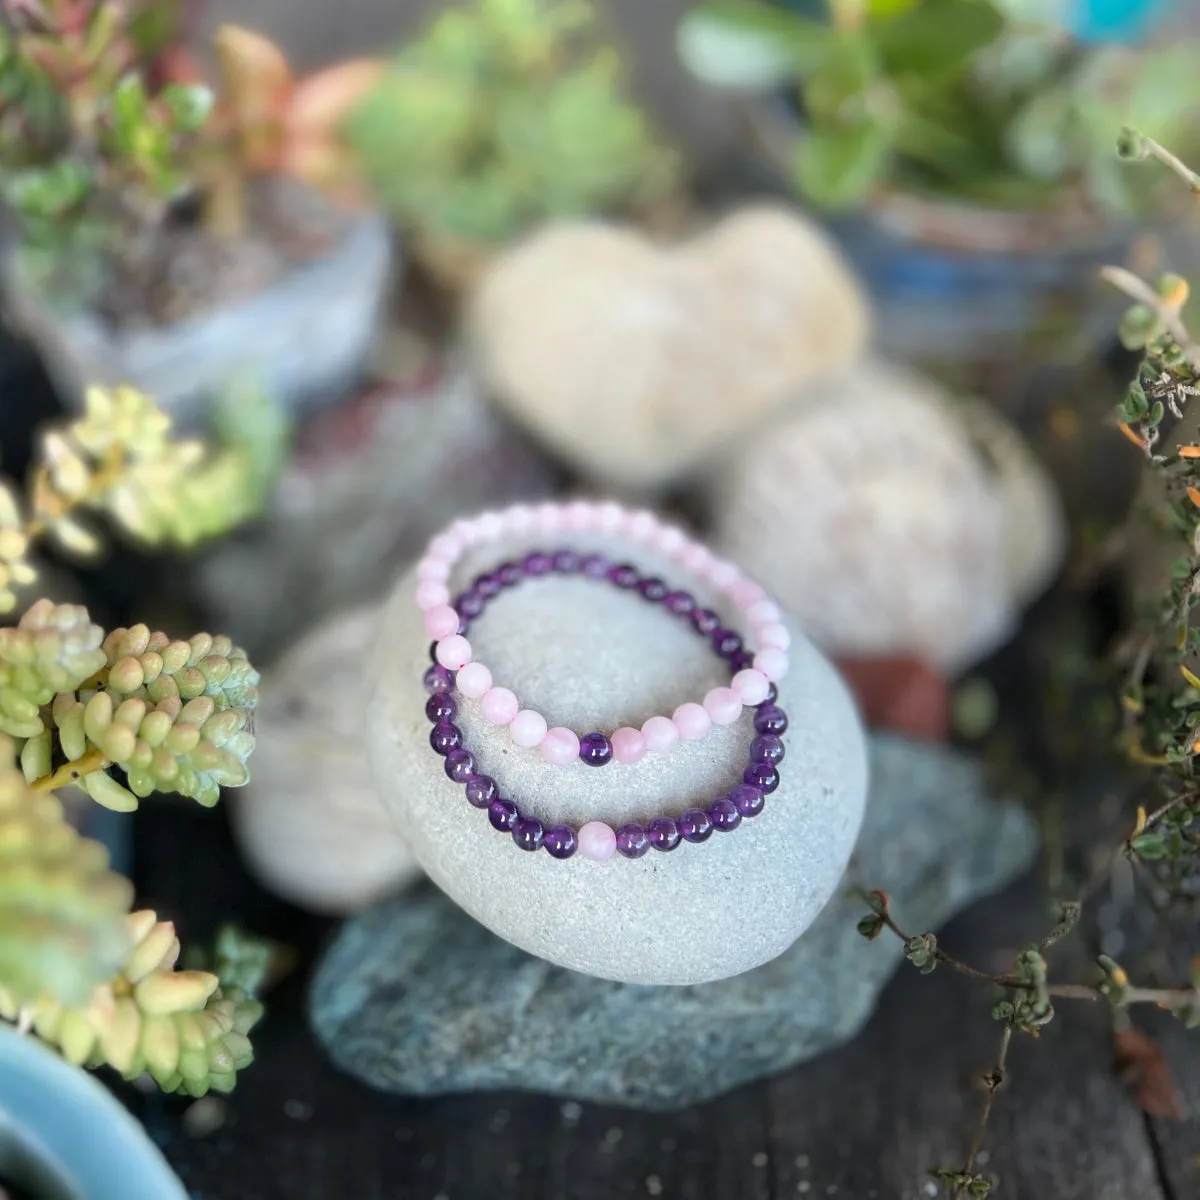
x=839 y=168
x=936 y=37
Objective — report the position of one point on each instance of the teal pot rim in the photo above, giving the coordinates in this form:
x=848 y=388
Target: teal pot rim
x=70 y=1133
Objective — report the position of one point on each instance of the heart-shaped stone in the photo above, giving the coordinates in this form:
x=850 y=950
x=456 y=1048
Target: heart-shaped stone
x=636 y=361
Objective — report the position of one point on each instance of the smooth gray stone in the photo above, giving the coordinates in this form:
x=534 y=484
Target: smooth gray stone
x=415 y=997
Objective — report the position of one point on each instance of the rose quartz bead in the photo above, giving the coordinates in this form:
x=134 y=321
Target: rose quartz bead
x=772 y=663
x=578 y=516
x=692 y=721
x=441 y=621
x=473 y=680
x=431 y=594
x=597 y=841
x=499 y=706
x=629 y=745
x=641 y=526
x=745 y=593
x=490 y=525
x=723 y=705
x=560 y=746
x=609 y=516
x=436 y=569
x=723 y=575
x=660 y=734
x=528 y=728
x=446 y=546
x=454 y=652
x=752 y=686
x=518 y=519
x=765 y=612
x=696 y=558
x=548 y=518
x=670 y=539
x=773 y=637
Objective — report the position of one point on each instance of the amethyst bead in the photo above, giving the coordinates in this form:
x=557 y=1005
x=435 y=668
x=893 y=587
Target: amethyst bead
x=632 y=841
x=772 y=695
x=726 y=642
x=679 y=603
x=594 y=566
x=538 y=564
x=509 y=574
x=748 y=799
x=663 y=833
x=486 y=585
x=769 y=718
x=469 y=604
x=705 y=620
x=560 y=841
x=742 y=660
x=768 y=748
x=762 y=776
x=438 y=679
x=624 y=575
x=481 y=791
x=445 y=737
x=724 y=814
x=503 y=815
x=566 y=562
x=595 y=749
x=527 y=832
x=652 y=589
x=441 y=706
x=460 y=765
x=694 y=825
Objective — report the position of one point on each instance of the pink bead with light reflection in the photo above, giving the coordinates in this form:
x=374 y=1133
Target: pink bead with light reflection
x=670 y=539
x=745 y=593
x=518 y=519
x=454 y=652
x=473 y=680
x=660 y=734
x=440 y=622
x=772 y=663
x=560 y=746
x=723 y=706
x=641 y=526
x=723 y=575
x=765 y=612
x=752 y=686
x=578 y=516
x=527 y=728
x=692 y=721
x=499 y=706
x=629 y=745
x=696 y=558
x=773 y=637
x=435 y=569
x=548 y=518
x=597 y=841
x=431 y=594
x=608 y=517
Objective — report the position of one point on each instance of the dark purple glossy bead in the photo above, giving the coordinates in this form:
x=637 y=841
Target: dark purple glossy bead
x=595 y=749
x=503 y=815
x=705 y=620
x=566 y=562
x=433 y=653
x=762 y=776
x=538 y=563
x=560 y=841
x=663 y=833
x=694 y=825
x=726 y=642
x=469 y=604
x=772 y=695
x=679 y=603
x=632 y=841
x=594 y=566
x=748 y=798
x=460 y=765
x=441 y=706
x=624 y=575
x=481 y=790
x=742 y=660
x=768 y=748
x=438 y=679
x=509 y=574
x=528 y=833
x=486 y=585
x=770 y=718
x=652 y=589
x=724 y=815
x=445 y=737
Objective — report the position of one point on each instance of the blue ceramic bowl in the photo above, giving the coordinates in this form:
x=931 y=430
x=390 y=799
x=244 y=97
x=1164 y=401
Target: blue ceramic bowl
x=64 y=1137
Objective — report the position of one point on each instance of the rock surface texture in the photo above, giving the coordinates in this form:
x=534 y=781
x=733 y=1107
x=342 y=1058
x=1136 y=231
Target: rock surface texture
x=415 y=997
x=591 y=656
x=636 y=362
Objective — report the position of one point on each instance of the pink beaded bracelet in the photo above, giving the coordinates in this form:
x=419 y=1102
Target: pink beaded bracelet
x=500 y=706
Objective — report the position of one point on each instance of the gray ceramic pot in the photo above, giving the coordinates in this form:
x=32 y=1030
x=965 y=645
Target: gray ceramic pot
x=64 y=1137
x=307 y=338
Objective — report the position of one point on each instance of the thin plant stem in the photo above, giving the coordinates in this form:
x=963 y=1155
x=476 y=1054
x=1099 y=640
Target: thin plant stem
x=992 y=1080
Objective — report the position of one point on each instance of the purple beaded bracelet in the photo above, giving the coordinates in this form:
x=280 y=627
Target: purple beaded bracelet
x=596 y=839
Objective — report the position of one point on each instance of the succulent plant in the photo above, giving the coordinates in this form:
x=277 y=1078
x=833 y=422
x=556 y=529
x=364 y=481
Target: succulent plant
x=504 y=112
x=980 y=101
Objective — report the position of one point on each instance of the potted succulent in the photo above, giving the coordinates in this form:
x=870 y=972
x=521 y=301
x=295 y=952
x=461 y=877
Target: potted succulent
x=168 y=234
x=962 y=150
x=118 y=717
x=504 y=113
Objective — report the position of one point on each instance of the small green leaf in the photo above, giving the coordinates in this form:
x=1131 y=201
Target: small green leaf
x=187 y=105
x=936 y=37
x=870 y=926
x=1157 y=412
x=1148 y=845
x=839 y=168
x=129 y=110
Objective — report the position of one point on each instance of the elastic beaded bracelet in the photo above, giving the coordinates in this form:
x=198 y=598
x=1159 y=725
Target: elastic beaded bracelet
x=447 y=621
